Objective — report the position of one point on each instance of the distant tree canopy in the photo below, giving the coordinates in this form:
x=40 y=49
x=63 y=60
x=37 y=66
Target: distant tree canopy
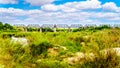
x=1 y=25
x=6 y=27
x=92 y=28
x=47 y=29
x=32 y=29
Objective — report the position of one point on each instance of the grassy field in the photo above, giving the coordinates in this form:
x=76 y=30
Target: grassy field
x=53 y=50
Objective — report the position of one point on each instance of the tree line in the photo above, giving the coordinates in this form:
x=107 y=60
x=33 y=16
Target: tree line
x=6 y=27
x=9 y=28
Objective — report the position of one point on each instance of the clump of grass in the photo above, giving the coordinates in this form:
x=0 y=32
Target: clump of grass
x=103 y=60
x=52 y=64
x=41 y=48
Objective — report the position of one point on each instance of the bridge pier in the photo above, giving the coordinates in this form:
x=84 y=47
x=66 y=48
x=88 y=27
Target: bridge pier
x=55 y=28
x=26 y=29
x=41 y=29
x=69 y=29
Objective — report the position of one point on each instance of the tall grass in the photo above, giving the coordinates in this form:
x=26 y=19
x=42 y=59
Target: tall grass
x=44 y=49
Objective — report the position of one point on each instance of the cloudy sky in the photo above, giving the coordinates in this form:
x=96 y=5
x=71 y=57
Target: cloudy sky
x=60 y=11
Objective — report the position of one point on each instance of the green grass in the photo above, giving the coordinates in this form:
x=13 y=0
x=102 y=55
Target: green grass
x=44 y=49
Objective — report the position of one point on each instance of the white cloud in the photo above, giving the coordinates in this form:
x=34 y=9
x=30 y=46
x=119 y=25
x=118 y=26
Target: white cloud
x=50 y=7
x=39 y=2
x=13 y=16
x=90 y=4
x=111 y=6
x=8 y=1
x=73 y=6
x=107 y=16
x=78 y=6
x=19 y=12
x=68 y=13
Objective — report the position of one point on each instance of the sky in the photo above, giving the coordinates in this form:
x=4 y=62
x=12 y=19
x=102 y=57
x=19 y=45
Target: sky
x=60 y=11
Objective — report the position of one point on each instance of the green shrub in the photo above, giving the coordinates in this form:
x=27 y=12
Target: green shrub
x=78 y=29
x=102 y=60
x=47 y=30
x=41 y=48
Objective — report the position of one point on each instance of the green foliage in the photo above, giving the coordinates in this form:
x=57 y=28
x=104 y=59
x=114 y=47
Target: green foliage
x=32 y=29
x=71 y=46
x=52 y=64
x=103 y=27
x=46 y=50
x=78 y=29
x=7 y=26
x=92 y=28
x=41 y=48
x=103 y=61
x=1 y=25
x=47 y=30
x=62 y=30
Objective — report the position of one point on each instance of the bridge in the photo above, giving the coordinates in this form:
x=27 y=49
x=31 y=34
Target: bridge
x=64 y=26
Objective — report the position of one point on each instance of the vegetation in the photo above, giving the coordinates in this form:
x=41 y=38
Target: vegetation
x=52 y=50
x=8 y=28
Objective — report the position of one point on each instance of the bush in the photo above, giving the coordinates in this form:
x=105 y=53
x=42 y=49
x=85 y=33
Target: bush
x=102 y=27
x=40 y=48
x=78 y=29
x=47 y=30
x=102 y=60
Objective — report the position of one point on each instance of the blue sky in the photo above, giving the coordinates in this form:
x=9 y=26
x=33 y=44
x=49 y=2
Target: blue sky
x=60 y=11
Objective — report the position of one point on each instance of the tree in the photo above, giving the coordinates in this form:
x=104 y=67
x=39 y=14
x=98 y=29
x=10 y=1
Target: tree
x=1 y=25
x=47 y=29
x=7 y=26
